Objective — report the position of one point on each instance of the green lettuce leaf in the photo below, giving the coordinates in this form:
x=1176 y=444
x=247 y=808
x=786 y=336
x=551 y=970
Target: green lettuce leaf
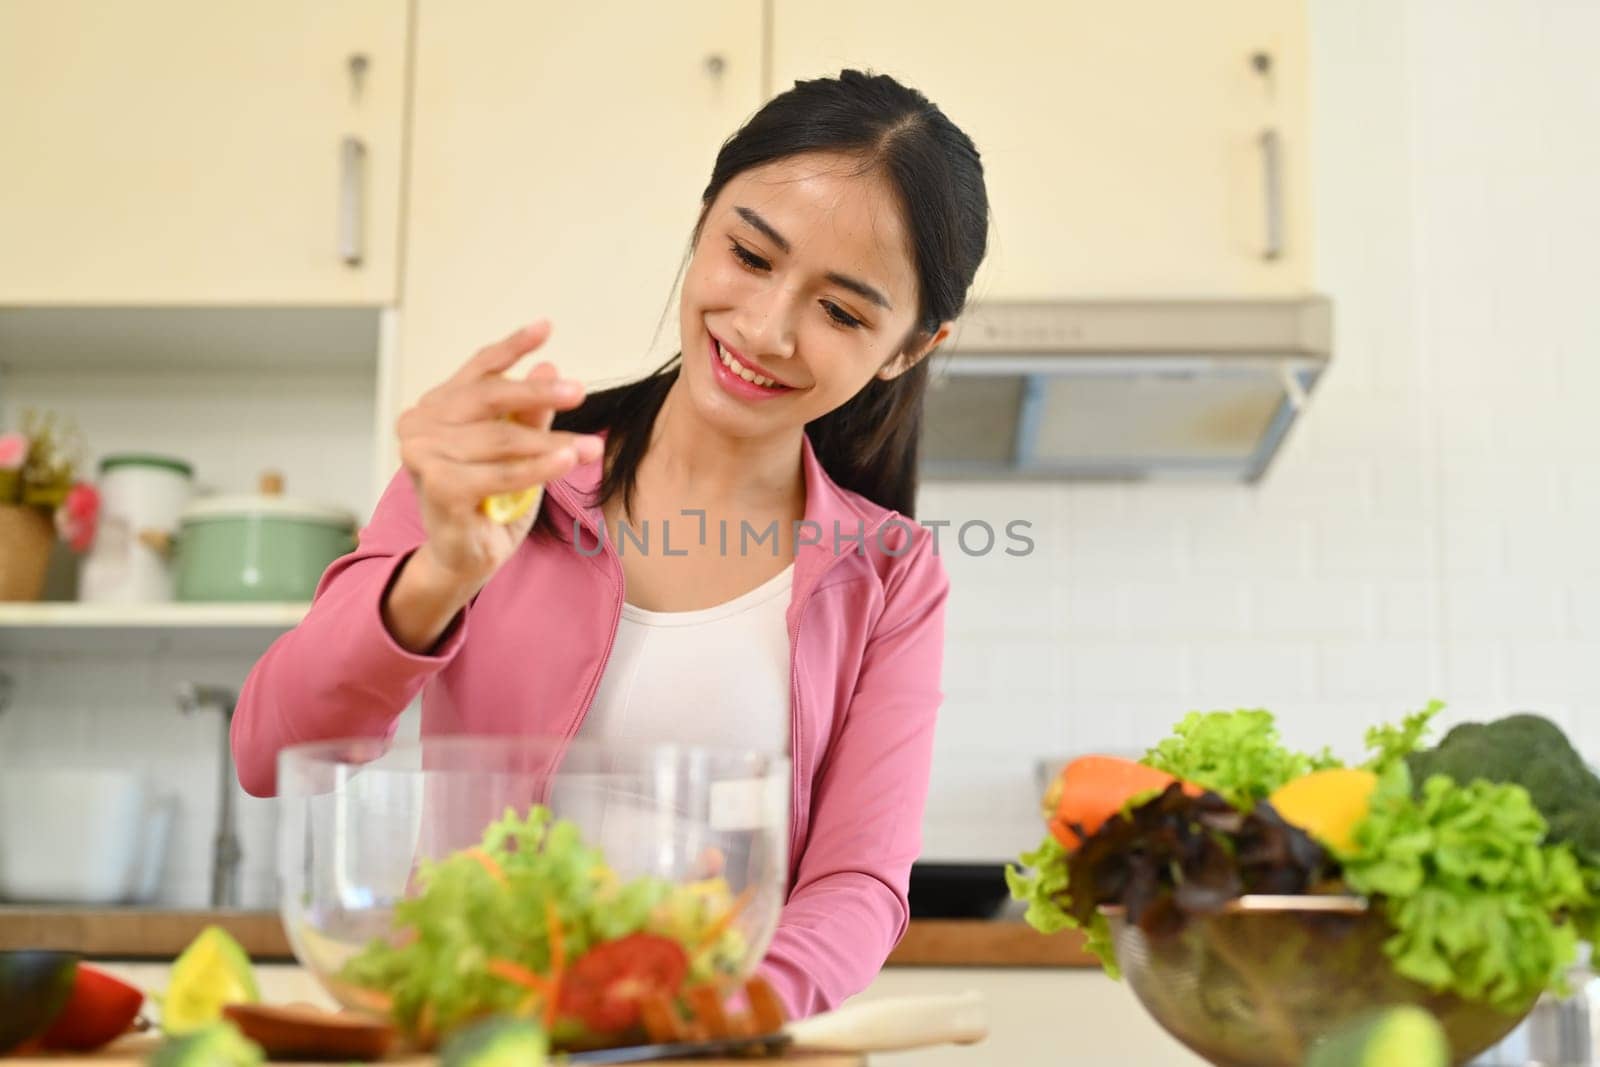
x=1234 y=753
x=1481 y=906
x=1042 y=883
x=1392 y=743
x=464 y=916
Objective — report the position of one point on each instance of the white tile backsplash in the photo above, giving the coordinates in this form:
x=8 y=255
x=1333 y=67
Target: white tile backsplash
x=1311 y=607
x=1246 y=673
x=1472 y=549
x=1584 y=604
x=1482 y=607
x=1097 y=671
x=1149 y=609
x=1408 y=608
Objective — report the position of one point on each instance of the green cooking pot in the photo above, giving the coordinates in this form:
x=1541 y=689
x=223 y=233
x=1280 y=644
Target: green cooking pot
x=257 y=548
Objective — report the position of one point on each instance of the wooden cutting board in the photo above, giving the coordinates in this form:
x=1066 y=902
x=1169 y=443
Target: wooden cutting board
x=131 y=1052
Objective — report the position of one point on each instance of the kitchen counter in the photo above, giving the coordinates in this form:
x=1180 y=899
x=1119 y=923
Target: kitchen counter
x=133 y=1052
x=1037 y=1017
x=138 y=933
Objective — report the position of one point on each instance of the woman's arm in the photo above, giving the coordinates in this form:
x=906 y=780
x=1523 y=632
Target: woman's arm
x=848 y=908
x=389 y=616
x=341 y=672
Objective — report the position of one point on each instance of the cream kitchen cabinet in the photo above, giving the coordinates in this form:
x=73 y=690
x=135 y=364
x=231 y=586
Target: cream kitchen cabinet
x=186 y=152
x=558 y=153
x=1136 y=148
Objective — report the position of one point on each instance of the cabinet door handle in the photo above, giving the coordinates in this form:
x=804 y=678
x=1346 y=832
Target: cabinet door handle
x=352 y=181
x=1272 y=184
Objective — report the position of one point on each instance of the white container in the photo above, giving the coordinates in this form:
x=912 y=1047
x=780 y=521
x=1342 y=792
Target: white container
x=80 y=836
x=141 y=498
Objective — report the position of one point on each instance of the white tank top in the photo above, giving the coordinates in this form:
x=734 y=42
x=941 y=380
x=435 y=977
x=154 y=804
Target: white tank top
x=715 y=676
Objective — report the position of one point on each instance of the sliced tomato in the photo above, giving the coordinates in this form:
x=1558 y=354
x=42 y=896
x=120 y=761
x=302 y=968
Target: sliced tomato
x=603 y=988
x=101 y=1009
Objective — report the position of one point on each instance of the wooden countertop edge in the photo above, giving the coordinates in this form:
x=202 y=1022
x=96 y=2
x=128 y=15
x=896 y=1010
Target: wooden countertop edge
x=153 y=934
x=135 y=1050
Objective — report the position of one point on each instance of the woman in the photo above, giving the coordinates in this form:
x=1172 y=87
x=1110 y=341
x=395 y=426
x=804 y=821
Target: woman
x=837 y=238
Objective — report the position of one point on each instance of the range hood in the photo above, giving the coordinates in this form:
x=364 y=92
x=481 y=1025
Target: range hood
x=1122 y=390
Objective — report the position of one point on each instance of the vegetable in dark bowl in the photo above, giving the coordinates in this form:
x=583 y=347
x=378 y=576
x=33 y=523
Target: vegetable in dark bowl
x=1261 y=981
x=1263 y=899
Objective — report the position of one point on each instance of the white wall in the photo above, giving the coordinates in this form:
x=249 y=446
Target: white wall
x=1431 y=528
x=1427 y=532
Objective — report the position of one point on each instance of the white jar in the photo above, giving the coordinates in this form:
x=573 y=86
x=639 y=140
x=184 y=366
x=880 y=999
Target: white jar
x=141 y=497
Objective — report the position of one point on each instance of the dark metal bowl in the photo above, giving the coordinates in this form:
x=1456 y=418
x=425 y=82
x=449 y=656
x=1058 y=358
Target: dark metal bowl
x=1259 y=983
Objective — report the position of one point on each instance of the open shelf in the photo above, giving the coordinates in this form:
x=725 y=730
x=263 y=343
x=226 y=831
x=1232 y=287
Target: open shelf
x=149 y=616
x=55 y=628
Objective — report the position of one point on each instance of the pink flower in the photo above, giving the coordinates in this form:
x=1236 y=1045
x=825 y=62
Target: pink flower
x=13 y=451
x=78 y=516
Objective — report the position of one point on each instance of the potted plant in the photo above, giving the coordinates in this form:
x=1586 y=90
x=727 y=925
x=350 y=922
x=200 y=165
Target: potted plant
x=41 y=499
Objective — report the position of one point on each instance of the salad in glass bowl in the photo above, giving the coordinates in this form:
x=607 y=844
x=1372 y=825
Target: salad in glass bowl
x=1260 y=900
x=442 y=881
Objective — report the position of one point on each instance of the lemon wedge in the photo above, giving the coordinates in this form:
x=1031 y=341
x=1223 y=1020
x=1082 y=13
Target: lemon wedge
x=509 y=507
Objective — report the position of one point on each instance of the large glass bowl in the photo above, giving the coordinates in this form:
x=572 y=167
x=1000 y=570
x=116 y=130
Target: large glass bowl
x=1257 y=984
x=357 y=817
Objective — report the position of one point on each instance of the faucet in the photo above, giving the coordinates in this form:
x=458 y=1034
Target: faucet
x=226 y=851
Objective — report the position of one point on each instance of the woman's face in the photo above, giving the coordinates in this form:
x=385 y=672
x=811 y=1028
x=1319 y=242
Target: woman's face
x=802 y=278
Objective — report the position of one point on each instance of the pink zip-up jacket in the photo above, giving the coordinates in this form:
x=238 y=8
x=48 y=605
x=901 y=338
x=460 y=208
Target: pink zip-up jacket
x=866 y=638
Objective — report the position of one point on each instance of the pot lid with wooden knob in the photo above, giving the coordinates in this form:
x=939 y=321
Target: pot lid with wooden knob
x=267 y=503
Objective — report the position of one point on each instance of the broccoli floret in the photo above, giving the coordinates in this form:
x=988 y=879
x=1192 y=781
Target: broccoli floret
x=1530 y=751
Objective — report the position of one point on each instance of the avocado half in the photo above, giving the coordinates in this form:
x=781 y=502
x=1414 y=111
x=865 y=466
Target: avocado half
x=34 y=986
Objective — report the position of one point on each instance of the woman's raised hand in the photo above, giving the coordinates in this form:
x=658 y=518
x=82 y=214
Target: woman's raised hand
x=480 y=434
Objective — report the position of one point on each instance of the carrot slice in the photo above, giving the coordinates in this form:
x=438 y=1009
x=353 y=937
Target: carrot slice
x=487 y=862
x=661 y=1020
x=705 y=1001
x=715 y=931
x=558 y=962
x=548 y=988
x=515 y=972
x=765 y=1009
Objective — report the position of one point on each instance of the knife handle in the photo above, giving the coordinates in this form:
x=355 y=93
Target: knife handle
x=895 y=1023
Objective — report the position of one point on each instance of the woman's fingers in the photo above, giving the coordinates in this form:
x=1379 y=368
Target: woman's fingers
x=483 y=442
x=465 y=484
x=481 y=433
x=493 y=398
x=498 y=357
x=542 y=420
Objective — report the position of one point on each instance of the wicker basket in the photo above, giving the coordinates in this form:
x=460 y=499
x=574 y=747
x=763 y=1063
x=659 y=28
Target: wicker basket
x=26 y=538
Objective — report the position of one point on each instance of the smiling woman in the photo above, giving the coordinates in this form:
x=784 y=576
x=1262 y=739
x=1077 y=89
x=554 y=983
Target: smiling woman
x=837 y=239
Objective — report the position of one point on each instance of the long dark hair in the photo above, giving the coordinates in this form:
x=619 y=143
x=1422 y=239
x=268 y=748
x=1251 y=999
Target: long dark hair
x=869 y=444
